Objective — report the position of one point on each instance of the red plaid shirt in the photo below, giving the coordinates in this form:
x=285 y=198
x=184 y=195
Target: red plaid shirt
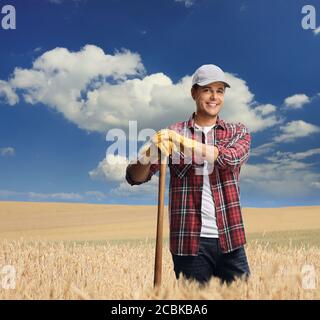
x=185 y=190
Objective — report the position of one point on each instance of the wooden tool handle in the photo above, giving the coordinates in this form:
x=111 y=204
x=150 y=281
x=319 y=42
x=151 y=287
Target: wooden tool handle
x=159 y=239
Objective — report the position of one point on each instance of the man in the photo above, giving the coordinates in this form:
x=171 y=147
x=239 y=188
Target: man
x=207 y=234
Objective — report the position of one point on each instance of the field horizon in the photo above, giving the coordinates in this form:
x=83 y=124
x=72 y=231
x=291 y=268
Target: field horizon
x=97 y=222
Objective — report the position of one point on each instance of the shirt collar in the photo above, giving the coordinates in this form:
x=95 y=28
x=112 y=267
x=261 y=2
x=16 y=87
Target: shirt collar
x=191 y=123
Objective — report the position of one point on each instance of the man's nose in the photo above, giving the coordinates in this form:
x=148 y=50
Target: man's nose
x=213 y=95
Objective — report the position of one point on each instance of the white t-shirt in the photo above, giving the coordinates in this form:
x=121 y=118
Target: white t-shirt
x=209 y=227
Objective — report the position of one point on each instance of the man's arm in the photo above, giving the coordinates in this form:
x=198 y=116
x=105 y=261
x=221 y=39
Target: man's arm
x=137 y=173
x=148 y=162
x=230 y=156
x=236 y=153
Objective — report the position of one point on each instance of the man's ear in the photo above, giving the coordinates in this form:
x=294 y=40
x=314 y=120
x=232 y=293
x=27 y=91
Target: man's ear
x=193 y=93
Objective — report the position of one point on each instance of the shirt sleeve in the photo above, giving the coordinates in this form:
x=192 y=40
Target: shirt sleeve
x=236 y=152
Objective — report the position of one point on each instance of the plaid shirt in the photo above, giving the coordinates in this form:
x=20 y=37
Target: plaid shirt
x=186 y=184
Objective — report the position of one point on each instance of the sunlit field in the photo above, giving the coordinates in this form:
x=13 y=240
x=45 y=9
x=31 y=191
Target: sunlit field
x=66 y=270
x=284 y=262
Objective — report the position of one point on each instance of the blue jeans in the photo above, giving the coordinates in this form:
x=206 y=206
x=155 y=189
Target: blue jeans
x=211 y=262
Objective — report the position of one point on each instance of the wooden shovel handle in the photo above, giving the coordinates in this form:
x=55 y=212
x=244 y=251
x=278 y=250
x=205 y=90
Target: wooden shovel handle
x=159 y=239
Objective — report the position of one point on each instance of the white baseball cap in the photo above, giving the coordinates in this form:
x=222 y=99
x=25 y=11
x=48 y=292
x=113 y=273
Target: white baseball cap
x=209 y=73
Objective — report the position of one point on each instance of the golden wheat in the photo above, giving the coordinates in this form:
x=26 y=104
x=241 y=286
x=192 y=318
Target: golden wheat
x=66 y=270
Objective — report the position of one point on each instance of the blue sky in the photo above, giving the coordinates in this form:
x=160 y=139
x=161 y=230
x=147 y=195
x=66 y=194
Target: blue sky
x=74 y=69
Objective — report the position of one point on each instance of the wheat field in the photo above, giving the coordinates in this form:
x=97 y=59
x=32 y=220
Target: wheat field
x=81 y=265
x=62 y=270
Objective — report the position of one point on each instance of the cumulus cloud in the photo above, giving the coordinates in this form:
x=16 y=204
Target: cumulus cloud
x=99 y=91
x=239 y=107
x=297 y=101
x=61 y=1
x=290 y=156
x=316 y=184
x=187 y=3
x=7 y=93
x=296 y=129
x=265 y=109
x=149 y=188
x=58 y=196
x=8 y=151
x=37 y=195
x=283 y=174
x=262 y=149
x=316 y=31
x=112 y=169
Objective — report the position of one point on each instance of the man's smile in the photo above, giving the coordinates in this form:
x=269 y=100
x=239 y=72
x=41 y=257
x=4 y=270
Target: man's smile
x=212 y=104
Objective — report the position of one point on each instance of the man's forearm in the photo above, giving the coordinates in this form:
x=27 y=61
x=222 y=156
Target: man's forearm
x=139 y=172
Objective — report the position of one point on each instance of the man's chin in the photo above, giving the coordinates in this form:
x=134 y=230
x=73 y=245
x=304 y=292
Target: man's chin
x=212 y=114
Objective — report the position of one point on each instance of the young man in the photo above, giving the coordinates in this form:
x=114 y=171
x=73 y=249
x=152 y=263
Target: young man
x=207 y=234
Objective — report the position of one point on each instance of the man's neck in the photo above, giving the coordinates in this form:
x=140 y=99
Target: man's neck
x=205 y=122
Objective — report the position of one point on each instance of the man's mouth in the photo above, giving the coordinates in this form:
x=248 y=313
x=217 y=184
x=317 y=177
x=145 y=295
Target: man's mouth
x=212 y=104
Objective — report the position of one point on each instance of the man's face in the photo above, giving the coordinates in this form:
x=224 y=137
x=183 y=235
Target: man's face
x=209 y=98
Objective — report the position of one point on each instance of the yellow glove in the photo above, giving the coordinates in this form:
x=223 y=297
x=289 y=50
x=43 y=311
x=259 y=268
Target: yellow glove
x=182 y=143
x=180 y=139
x=160 y=141
x=163 y=140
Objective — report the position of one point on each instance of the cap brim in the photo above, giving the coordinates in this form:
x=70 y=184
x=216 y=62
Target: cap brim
x=204 y=83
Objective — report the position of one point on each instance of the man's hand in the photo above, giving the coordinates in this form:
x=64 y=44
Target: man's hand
x=169 y=141
x=161 y=141
x=186 y=145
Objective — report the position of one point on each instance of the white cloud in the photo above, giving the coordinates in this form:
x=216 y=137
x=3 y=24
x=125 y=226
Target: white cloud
x=316 y=31
x=262 y=149
x=289 y=156
x=296 y=101
x=265 y=109
x=60 y=196
x=98 y=195
x=238 y=107
x=60 y=1
x=149 y=188
x=316 y=184
x=296 y=129
x=98 y=91
x=187 y=3
x=43 y=196
x=284 y=174
x=8 y=93
x=8 y=151
x=56 y=196
x=112 y=168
